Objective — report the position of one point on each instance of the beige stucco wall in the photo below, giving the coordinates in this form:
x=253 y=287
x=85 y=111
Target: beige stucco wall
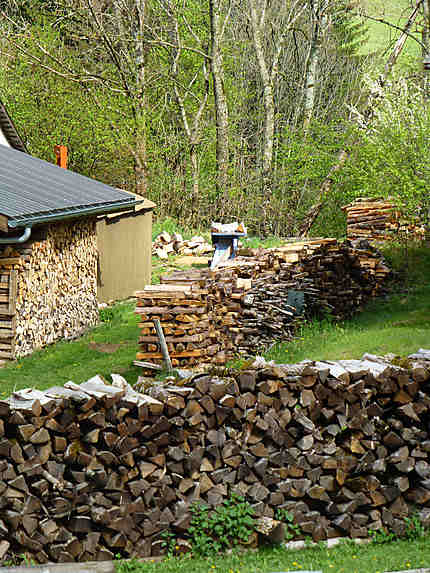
x=124 y=245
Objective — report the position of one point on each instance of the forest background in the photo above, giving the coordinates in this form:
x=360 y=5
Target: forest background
x=275 y=112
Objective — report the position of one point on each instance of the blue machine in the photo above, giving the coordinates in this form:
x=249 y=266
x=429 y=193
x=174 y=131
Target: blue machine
x=225 y=247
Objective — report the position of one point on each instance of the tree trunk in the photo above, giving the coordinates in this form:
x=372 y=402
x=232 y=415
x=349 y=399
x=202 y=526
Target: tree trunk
x=195 y=184
x=318 y=24
x=140 y=109
x=426 y=51
x=221 y=107
x=269 y=112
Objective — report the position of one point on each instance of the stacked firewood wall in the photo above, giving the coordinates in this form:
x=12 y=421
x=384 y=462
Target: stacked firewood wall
x=51 y=284
x=244 y=305
x=379 y=219
x=7 y=308
x=91 y=471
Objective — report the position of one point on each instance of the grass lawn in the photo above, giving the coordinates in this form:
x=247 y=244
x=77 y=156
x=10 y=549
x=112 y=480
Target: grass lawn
x=346 y=558
x=381 y=37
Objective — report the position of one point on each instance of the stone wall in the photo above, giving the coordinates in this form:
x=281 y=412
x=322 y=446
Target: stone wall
x=94 y=470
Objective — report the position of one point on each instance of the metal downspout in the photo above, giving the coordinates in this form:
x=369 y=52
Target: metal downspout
x=13 y=240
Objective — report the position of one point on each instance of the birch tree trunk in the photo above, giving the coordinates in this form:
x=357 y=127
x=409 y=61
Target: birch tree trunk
x=426 y=52
x=257 y=25
x=318 y=24
x=191 y=125
x=268 y=68
x=221 y=106
x=140 y=111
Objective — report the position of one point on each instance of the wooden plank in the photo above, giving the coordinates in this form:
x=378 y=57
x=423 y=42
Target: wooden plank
x=6 y=333
x=10 y=261
x=4 y=354
x=3 y=224
x=149 y=365
x=12 y=292
x=186 y=354
x=4 y=309
x=164 y=288
x=192 y=338
x=168 y=310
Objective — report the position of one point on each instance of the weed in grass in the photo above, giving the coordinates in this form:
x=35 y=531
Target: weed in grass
x=168 y=542
x=414 y=527
x=292 y=530
x=382 y=536
x=213 y=531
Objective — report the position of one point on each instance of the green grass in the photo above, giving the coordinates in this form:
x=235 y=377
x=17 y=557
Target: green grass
x=381 y=37
x=346 y=558
x=400 y=323
x=80 y=359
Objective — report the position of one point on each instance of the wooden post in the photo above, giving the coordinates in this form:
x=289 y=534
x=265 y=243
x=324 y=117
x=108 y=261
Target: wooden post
x=163 y=345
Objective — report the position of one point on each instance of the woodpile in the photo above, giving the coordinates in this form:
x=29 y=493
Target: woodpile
x=249 y=302
x=48 y=287
x=165 y=244
x=183 y=312
x=379 y=219
x=95 y=470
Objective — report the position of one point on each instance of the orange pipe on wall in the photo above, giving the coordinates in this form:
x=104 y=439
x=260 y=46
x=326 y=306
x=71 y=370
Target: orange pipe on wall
x=61 y=153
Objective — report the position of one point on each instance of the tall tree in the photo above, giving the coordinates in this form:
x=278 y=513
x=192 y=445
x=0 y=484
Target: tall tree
x=217 y=28
x=268 y=65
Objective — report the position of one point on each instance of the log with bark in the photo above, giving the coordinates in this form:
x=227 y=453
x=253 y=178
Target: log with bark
x=94 y=470
x=378 y=219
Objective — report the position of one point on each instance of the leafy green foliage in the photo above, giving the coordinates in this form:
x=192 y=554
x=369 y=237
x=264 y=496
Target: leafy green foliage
x=381 y=536
x=229 y=524
x=292 y=530
x=414 y=527
x=391 y=159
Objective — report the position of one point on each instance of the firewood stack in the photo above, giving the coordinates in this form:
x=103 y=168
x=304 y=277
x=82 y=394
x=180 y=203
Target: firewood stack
x=183 y=312
x=243 y=305
x=378 y=219
x=48 y=287
x=165 y=244
x=95 y=470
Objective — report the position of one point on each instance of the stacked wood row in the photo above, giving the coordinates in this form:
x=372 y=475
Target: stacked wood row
x=7 y=311
x=91 y=471
x=56 y=284
x=379 y=219
x=165 y=244
x=243 y=305
x=187 y=326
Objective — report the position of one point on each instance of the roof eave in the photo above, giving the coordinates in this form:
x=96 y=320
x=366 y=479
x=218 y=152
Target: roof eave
x=70 y=214
x=10 y=131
